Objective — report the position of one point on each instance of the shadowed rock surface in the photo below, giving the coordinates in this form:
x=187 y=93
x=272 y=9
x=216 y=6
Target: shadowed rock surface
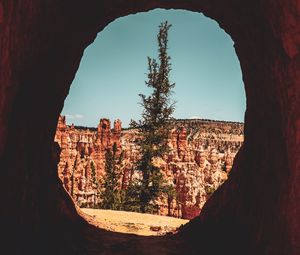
x=255 y=212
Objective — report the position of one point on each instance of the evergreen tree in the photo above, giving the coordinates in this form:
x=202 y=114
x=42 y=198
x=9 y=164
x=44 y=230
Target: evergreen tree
x=171 y=194
x=131 y=194
x=73 y=178
x=111 y=197
x=154 y=127
x=130 y=197
x=95 y=184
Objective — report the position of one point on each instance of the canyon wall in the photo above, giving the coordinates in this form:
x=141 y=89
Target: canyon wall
x=200 y=158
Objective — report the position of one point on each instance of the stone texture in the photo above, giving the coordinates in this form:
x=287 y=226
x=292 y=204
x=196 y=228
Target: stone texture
x=255 y=212
x=201 y=155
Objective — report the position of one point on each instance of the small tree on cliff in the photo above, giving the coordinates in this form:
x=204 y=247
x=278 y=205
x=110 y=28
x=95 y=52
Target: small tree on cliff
x=111 y=198
x=154 y=127
x=95 y=183
x=73 y=178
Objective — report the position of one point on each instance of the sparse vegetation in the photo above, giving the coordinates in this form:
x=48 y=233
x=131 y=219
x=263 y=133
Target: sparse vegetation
x=111 y=196
x=130 y=198
x=209 y=190
x=170 y=193
x=73 y=178
x=95 y=184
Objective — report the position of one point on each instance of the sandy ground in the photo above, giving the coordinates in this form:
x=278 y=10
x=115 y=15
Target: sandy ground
x=132 y=223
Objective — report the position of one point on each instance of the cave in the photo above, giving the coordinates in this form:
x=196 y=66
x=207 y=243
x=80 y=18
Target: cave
x=254 y=212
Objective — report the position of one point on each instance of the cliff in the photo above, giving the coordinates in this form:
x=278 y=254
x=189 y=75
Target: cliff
x=200 y=158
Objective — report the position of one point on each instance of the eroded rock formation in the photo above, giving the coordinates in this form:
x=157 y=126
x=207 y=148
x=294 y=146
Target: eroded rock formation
x=201 y=155
x=255 y=212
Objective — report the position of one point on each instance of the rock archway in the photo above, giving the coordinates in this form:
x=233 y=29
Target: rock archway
x=255 y=212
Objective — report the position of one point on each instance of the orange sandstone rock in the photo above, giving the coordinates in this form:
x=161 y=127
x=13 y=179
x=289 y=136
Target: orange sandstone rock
x=201 y=154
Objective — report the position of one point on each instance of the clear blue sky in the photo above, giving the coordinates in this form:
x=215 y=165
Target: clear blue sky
x=113 y=70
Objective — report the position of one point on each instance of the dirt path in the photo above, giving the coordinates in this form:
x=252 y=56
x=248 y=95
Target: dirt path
x=132 y=223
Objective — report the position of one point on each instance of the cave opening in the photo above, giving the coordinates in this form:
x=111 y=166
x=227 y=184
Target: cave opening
x=254 y=212
x=209 y=118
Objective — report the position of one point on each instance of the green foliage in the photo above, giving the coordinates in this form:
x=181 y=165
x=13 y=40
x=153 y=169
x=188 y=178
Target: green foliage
x=209 y=190
x=223 y=166
x=73 y=178
x=95 y=184
x=130 y=198
x=111 y=196
x=154 y=127
x=84 y=205
x=170 y=192
x=93 y=173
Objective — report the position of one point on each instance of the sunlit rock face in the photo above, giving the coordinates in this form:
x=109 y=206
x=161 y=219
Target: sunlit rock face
x=200 y=158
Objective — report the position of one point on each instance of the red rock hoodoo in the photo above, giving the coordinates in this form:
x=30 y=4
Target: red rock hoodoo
x=257 y=209
x=201 y=155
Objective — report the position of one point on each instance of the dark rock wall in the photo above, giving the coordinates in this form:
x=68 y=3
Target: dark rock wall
x=41 y=44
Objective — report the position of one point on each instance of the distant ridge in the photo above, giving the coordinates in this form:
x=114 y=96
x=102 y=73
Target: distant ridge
x=184 y=121
x=210 y=120
x=85 y=128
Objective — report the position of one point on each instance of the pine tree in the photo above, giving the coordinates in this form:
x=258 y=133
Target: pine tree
x=171 y=194
x=73 y=178
x=95 y=184
x=154 y=127
x=130 y=197
x=111 y=197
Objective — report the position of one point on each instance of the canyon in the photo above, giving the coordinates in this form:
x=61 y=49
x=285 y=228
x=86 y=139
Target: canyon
x=199 y=160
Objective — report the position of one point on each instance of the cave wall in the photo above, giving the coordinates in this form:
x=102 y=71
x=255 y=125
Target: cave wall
x=41 y=44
